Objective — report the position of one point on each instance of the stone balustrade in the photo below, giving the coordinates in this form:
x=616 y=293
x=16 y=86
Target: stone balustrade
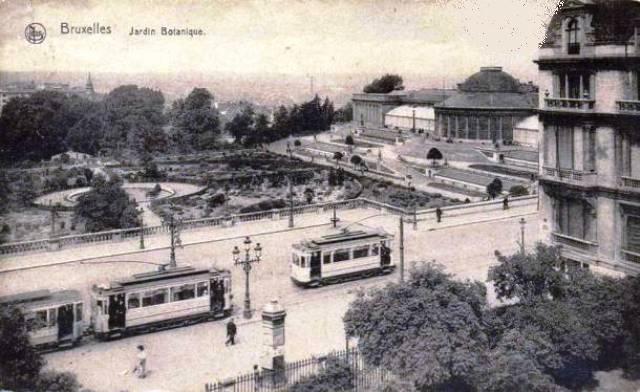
x=17 y=248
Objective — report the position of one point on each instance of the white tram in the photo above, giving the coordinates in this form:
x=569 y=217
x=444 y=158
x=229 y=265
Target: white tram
x=348 y=254
x=53 y=319
x=163 y=299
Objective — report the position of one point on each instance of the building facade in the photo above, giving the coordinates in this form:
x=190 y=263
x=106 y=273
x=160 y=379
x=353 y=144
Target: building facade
x=487 y=106
x=369 y=110
x=589 y=113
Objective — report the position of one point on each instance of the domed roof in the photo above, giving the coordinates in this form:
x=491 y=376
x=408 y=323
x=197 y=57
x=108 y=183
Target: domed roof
x=490 y=79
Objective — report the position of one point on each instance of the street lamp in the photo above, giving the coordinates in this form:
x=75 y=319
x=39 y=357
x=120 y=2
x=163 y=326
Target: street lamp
x=522 y=224
x=141 y=228
x=246 y=266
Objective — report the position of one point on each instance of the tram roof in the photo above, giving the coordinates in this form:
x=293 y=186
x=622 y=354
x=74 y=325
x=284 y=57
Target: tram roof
x=42 y=297
x=346 y=235
x=169 y=274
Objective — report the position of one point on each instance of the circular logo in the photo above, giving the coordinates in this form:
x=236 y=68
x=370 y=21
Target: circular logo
x=35 y=33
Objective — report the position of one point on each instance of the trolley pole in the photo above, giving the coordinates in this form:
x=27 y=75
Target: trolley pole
x=335 y=219
x=141 y=228
x=290 y=204
x=401 y=249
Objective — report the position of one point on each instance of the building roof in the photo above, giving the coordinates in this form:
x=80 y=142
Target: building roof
x=490 y=79
x=422 y=112
x=530 y=122
x=428 y=95
x=613 y=20
x=494 y=100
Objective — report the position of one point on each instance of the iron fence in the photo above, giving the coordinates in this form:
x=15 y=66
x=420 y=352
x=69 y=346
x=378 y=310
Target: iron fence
x=364 y=377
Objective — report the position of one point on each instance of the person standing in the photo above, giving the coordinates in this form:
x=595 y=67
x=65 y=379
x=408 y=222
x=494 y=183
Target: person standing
x=141 y=367
x=438 y=214
x=505 y=203
x=232 y=330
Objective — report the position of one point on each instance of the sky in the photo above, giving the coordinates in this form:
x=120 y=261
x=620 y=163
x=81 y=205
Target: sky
x=439 y=38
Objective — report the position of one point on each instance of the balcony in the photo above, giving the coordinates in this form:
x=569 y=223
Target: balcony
x=570 y=104
x=630 y=182
x=571 y=176
x=577 y=246
x=631 y=256
x=628 y=107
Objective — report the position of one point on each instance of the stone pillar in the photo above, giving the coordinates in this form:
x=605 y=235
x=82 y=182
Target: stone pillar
x=273 y=316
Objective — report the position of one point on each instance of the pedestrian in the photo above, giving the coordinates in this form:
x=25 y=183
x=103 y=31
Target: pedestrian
x=232 y=330
x=141 y=367
x=438 y=214
x=429 y=173
x=505 y=203
x=257 y=378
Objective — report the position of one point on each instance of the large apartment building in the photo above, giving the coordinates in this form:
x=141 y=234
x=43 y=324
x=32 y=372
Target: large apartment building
x=589 y=135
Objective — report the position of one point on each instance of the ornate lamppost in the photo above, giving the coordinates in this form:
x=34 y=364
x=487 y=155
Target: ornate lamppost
x=246 y=266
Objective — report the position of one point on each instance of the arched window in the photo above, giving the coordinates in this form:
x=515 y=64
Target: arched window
x=573 y=44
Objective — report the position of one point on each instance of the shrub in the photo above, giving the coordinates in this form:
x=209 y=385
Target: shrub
x=518 y=190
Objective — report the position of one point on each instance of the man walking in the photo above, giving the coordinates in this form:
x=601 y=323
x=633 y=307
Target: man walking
x=438 y=214
x=505 y=203
x=232 y=330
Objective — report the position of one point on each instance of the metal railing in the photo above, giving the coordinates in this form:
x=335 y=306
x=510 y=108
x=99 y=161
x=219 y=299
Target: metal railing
x=631 y=256
x=569 y=104
x=630 y=182
x=629 y=106
x=362 y=376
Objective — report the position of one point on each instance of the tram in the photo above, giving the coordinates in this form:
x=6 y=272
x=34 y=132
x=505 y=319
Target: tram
x=345 y=255
x=158 y=300
x=53 y=319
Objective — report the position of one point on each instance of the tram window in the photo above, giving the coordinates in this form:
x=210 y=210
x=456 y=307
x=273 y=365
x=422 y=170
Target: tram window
x=180 y=293
x=78 y=312
x=362 y=251
x=341 y=255
x=40 y=319
x=133 y=301
x=295 y=259
x=155 y=297
x=302 y=261
x=375 y=249
x=202 y=289
x=52 y=321
x=326 y=258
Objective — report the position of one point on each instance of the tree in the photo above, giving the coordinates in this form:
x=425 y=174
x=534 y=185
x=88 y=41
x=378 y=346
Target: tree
x=262 y=132
x=494 y=188
x=241 y=125
x=337 y=375
x=309 y=194
x=297 y=143
x=429 y=330
x=337 y=156
x=196 y=119
x=384 y=85
x=106 y=206
x=20 y=364
x=134 y=118
x=434 y=155
x=349 y=140
x=518 y=190
x=356 y=160
x=531 y=277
